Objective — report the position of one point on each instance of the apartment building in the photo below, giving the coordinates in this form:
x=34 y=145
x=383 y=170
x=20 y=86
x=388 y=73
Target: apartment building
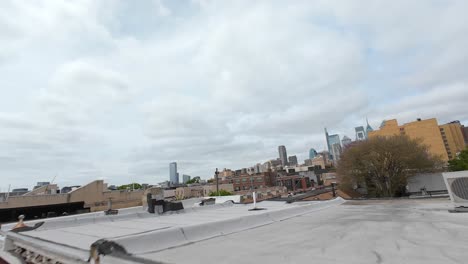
x=443 y=141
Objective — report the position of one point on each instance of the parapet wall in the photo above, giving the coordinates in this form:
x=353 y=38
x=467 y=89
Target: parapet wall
x=94 y=195
x=33 y=200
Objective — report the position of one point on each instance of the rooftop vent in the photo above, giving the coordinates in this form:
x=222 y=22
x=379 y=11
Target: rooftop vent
x=457 y=186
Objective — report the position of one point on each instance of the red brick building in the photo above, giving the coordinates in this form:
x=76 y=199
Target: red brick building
x=294 y=182
x=252 y=182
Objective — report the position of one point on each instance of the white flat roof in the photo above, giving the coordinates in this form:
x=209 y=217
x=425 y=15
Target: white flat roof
x=404 y=231
x=398 y=231
x=82 y=230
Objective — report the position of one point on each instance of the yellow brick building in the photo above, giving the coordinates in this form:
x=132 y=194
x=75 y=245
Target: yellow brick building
x=453 y=138
x=388 y=128
x=444 y=141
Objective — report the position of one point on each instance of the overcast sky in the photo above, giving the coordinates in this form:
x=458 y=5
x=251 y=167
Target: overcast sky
x=116 y=90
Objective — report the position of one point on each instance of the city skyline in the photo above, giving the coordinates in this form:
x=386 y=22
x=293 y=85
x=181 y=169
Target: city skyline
x=303 y=154
x=119 y=89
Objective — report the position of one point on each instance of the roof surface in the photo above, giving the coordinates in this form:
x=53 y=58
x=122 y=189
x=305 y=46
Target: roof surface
x=397 y=231
x=403 y=231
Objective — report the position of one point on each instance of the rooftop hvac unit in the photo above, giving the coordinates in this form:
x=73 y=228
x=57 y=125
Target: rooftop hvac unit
x=457 y=186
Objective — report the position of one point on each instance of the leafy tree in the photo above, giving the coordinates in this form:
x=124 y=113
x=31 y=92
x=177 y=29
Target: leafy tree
x=460 y=162
x=221 y=193
x=194 y=180
x=383 y=164
x=130 y=186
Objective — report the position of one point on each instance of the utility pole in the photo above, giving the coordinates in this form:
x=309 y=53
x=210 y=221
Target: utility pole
x=217 y=182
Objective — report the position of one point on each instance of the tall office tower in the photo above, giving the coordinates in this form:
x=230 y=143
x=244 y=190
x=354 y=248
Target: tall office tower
x=186 y=178
x=346 y=141
x=292 y=160
x=312 y=153
x=360 y=133
x=332 y=139
x=173 y=175
x=328 y=140
x=283 y=155
x=336 y=152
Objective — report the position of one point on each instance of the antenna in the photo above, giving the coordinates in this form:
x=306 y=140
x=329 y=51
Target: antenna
x=53 y=179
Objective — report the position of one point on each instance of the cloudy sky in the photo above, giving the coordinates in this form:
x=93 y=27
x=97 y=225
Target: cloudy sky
x=118 y=89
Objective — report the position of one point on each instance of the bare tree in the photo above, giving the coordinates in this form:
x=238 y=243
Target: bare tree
x=383 y=164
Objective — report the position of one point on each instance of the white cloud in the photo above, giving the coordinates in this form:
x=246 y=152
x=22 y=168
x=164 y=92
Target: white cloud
x=444 y=102
x=117 y=91
x=162 y=9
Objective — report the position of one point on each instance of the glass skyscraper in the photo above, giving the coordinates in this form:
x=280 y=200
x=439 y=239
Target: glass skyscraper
x=336 y=152
x=283 y=155
x=332 y=140
x=312 y=153
x=173 y=175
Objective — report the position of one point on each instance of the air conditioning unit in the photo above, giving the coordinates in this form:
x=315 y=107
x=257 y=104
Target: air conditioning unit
x=457 y=186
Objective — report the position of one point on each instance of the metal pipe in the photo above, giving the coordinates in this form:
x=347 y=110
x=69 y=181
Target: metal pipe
x=217 y=182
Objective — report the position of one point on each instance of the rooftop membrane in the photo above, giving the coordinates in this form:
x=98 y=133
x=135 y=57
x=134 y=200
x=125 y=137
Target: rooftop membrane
x=336 y=231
